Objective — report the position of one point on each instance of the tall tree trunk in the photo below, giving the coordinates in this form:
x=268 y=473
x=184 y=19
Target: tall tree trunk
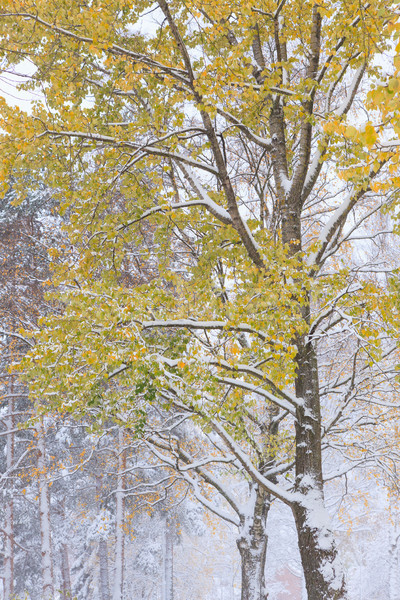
x=102 y=553
x=119 y=520
x=66 y=588
x=103 y=564
x=9 y=508
x=9 y=551
x=168 y=558
x=65 y=573
x=44 y=512
x=322 y=570
x=252 y=544
x=394 y=579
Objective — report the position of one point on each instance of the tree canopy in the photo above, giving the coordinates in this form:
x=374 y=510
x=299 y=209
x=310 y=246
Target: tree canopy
x=229 y=176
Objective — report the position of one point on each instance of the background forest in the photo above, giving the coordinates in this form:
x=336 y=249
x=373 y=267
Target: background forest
x=200 y=300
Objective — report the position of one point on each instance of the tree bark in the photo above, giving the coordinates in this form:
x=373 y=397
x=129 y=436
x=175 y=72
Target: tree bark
x=9 y=509
x=252 y=544
x=168 y=559
x=103 y=564
x=102 y=552
x=66 y=588
x=322 y=570
x=44 y=512
x=119 y=520
x=9 y=551
x=394 y=587
x=65 y=573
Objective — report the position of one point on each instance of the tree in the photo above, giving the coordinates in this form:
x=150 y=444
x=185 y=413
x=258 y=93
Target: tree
x=232 y=134
x=119 y=520
x=23 y=269
x=44 y=512
x=207 y=466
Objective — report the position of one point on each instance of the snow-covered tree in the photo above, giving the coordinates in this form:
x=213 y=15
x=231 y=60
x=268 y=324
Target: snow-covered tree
x=232 y=133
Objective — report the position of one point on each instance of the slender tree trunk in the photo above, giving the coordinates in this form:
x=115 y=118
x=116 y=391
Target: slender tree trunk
x=102 y=553
x=66 y=588
x=394 y=579
x=44 y=512
x=168 y=559
x=252 y=544
x=103 y=563
x=65 y=573
x=9 y=551
x=9 y=509
x=119 y=520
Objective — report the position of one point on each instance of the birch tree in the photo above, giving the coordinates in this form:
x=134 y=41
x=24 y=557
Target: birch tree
x=8 y=526
x=118 y=585
x=232 y=134
x=44 y=515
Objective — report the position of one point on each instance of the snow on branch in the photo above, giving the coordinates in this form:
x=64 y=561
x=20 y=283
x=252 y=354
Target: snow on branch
x=348 y=101
x=115 y=49
x=204 y=199
x=257 y=390
x=243 y=368
x=285 y=496
x=332 y=226
x=151 y=150
x=265 y=143
x=191 y=481
x=18 y=337
x=316 y=163
x=214 y=209
x=204 y=325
